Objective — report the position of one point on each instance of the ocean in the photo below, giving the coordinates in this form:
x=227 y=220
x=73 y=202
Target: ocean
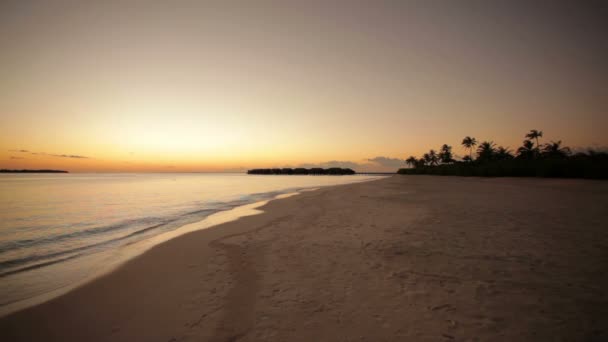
x=59 y=230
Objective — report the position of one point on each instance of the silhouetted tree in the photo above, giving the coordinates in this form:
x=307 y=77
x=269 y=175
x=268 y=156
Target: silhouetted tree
x=420 y=163
x=526 y=151
x=302 y=171
x=445 y=155
x=535 y=134
x=469 y=143
x=554 y=149
x=597 y=155
x=486 y=151
x=533 y=160
x=426 y=158
x=433 y=158
x=503 y=153
x=411 y=161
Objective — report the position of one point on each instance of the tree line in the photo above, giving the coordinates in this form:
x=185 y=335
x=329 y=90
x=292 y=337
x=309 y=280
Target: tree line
x=32 y=171
x=531 y=159
x=302 y=171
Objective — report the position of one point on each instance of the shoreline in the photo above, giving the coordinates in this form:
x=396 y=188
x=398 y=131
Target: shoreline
x=416 y=257
x=110 y=260
x=124 y=254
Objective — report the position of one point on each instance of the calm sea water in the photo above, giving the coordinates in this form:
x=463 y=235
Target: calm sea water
x=58 y=229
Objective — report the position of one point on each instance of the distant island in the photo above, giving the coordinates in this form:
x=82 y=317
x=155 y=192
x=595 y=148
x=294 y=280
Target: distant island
x=32 y=171
x=532 y=159
x=302 y=171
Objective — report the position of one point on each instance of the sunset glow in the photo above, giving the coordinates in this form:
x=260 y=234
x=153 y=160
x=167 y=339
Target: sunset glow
x=211 y=87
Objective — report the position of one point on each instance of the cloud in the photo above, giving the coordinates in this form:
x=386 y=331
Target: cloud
x=388 y=162
x=332 y=163
x=586 y=149
x=13 y=157
x=379 y=164
x=75 y=156
x=239 y=169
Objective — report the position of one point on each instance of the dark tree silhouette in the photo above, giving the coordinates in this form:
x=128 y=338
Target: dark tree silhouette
x=32 y=171
x=533 y=160
x=426 y=158
x=433 y=157
x=535 y=134
x=526 y=151
x=469 y=143
x=302 y=171
x=420 y=163
x=411 y=161
x=554 y=149
x=503 y=153
x=445 y=154
x=486 y=151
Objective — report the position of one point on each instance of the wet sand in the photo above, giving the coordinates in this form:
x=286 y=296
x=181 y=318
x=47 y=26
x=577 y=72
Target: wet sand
x=407 y=258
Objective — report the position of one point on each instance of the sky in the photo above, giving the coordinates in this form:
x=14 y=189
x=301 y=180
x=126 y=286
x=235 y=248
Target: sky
x=182 y=86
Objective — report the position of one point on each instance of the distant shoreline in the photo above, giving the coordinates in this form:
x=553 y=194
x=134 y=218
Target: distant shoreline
x=334 y=171
x=32 y=171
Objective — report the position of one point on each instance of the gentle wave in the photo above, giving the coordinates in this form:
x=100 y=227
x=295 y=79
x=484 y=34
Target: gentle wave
x=159 y=225
x=56 y=231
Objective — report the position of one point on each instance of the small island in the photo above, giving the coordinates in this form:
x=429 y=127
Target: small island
x=334 y=171
x=32 y=171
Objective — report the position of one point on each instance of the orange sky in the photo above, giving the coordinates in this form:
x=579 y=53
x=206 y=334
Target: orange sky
x=197 y=86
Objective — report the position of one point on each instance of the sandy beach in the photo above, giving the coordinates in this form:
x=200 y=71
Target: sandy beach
x=406 y=258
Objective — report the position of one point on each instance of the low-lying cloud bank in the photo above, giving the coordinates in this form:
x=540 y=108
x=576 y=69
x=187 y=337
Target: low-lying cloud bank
x=595 y=148
x=376 y=164
x=387 y=162
x=73 y=156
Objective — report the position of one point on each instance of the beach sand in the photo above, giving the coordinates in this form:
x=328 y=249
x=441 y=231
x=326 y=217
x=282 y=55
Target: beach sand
x=406 y=258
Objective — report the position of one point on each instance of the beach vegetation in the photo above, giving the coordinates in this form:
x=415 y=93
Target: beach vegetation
x=302 y=171
x=469 y=143
x=445 y=154
x=531 y=159
x=535 y=134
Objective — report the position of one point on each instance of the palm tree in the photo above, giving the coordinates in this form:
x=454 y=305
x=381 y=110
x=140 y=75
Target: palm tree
x=503 y=153
x=486 y=151
x=433 y=157
x=534 y=134
x=469 y=143
x=526 y=151
x=411 y=161
x=426 y=158
x=445 y=155
x=554 y=149
x=419 y=163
